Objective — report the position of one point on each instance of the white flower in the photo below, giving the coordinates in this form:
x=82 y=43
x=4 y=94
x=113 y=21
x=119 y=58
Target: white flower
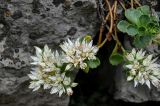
x=83 y=65
x=46 y=58
x=47 y=72
x=37 y=80
x=69 y=91
x=142 y=68
x=77 y=52
x=68 y=67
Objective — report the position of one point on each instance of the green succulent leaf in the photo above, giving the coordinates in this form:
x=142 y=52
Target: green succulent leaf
x=94 y=63
x=86 y=70
x=87 y=38
x=132 y=30
x=133 y=15
x=142 y=41
x=141 y=25
x=144 y=9
x=152 y=28
x=122 y=26
x=144 y=20
x=116 y=59
x=141 y=30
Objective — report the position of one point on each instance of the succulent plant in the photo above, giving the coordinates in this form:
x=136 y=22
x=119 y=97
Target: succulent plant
x=141 y=25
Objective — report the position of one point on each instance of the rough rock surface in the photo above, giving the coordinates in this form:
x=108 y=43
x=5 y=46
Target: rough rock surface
x=28 y=23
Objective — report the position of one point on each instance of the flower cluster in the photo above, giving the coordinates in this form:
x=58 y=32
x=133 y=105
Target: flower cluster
x=142 y=68
x=48 y=72
x=52 y=70
x=78 y=52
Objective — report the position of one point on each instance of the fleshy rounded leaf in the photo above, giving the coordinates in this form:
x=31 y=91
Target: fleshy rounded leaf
x=88 y=38
x=116 y=59
x=141 y=30
x=143 y=41
x=152 y=28
x=144 y=9
x=93 y=63
x=144 y=19
x=86 y=70
x=122 y=26
x=132 y=30
x=133 y=15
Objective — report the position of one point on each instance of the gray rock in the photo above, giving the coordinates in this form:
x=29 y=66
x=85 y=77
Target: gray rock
x=28 y=23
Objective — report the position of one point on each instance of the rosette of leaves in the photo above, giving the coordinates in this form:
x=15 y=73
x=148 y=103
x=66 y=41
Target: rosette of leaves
x=141 y=25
